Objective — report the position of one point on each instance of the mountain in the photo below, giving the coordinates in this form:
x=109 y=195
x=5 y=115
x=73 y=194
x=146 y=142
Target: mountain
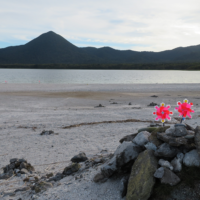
x=47 y=48
x=50 y=48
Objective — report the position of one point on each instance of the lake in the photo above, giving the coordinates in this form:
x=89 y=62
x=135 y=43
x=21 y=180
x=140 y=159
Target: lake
x=97 y=76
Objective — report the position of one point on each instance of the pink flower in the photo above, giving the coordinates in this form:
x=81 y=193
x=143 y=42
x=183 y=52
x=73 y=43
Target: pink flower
x=162 y=112
x=184 y=108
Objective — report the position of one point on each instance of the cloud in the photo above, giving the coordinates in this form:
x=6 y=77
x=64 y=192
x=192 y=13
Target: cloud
x=143 y=25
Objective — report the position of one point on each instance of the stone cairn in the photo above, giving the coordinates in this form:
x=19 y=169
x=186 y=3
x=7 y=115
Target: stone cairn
x=153 y=153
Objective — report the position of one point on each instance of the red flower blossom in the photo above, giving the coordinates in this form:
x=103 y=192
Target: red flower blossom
x=184 y=108
x=162 y=112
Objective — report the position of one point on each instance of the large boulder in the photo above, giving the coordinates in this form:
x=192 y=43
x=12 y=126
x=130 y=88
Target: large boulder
x=197 y=139
x=126 y=152
x=142 y=179
x=167 y=151
x=192 y=158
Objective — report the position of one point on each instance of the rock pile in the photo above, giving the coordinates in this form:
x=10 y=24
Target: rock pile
x=153 y=153
x=16 y=167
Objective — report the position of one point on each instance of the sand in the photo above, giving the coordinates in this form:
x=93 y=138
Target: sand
x=27 y=109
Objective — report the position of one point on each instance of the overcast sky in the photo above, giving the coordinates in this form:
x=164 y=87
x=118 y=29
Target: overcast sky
x=141 y=25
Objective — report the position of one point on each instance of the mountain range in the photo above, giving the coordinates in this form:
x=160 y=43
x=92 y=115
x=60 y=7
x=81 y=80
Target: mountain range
x=51 y=48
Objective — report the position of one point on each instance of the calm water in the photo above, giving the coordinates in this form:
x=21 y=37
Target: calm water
x=97 y=76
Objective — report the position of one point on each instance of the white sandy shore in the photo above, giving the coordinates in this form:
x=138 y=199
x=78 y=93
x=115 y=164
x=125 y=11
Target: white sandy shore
x=52 y=106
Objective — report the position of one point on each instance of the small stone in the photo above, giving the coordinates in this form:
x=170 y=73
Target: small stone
x=128 y=138
x=159 y=172
x=22 y=160
x=42 y=186
x=17 y=170
x=170 y=178
x=180 y=130
x=57 y=177
x=165 y=150
x=24 y=171
x=152 y=104
x=164 y=137
x=74 y=167
x=49 y=175
x=129 y=104
x=124 y=185
x=165 y=163
x=177 y=141
x=180 y=156
x=150 y=146
x=99 y=178
x=23 y=165
x=170 y=130
x=13 y=160
x=81 y=157
x=31 y=179
x=142 y=138
x=177 y=166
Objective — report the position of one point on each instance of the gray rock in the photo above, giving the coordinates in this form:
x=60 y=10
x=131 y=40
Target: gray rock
x=13 y=160
x=177 y=165
x=141 y=180
x=180 y=130
x=24 y=171
x=142 y=138
x=197 y=139
x=7 y=175
x=74 y=167
x=47 y=132
x=16 y=170
x=124 y=185
x=170 y=178
x=191 y=158
x=124 y=153
x=170 y=131
x=159 y=172
x=150 y=146
x=31 y=179
x=163 y=136
x=165 y=150
x=165 y=163
x=81 y=157
x=57 y=177
x=42 y=186
x=99 y=178
x=177 y=141
x=180 y=156
x=22 y=160
x=128 y=138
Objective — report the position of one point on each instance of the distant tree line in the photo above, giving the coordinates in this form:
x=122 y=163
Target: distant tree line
x=151 y=66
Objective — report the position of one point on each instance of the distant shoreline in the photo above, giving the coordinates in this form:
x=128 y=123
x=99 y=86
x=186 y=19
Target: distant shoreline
x=145 y=66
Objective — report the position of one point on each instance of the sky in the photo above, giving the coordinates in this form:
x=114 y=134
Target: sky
x=140 y=25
